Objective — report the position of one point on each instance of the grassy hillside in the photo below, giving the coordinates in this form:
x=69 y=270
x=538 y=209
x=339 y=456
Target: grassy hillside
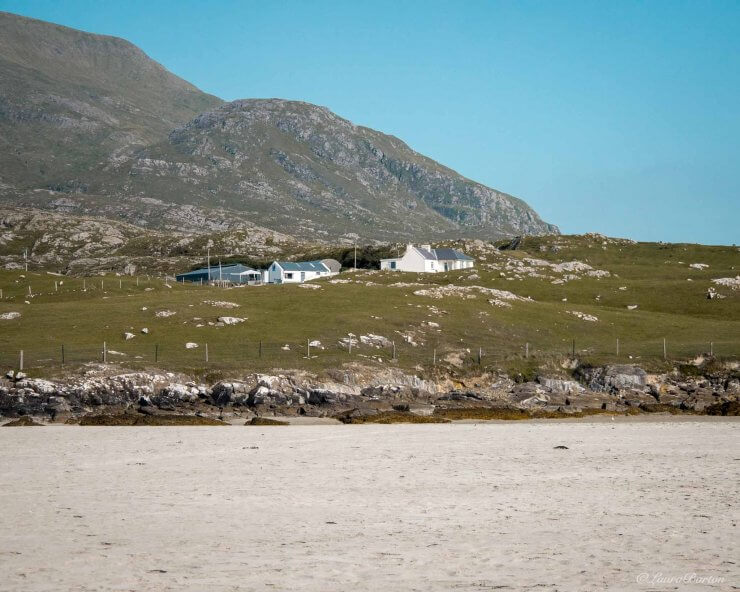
x=669 y=294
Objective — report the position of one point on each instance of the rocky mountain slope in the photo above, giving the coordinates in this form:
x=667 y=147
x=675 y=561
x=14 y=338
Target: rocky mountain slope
x=89 y=124
x=294 y=162
x=71 y=100
x=79 y=245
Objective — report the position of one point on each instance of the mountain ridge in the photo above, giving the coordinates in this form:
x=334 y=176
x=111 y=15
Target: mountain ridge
x=122 y=137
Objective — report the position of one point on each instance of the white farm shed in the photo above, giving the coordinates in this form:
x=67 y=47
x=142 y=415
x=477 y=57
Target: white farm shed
x=296 y=272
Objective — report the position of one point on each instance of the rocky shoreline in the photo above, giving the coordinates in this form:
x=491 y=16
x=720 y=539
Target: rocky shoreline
x=360 y=392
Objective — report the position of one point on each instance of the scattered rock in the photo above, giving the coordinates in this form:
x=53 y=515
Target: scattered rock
x=164 y=313
x=231 y=320
x=375 y=340
x=732 y=283
x=221 y=303
x=23 y=422
x=583 y=316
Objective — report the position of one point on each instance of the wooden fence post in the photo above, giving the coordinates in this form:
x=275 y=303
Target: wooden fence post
x=665 y=353
x=62 y=354
x=105 y=353
x=206 y=353
x=20 y=362
x=156 y=353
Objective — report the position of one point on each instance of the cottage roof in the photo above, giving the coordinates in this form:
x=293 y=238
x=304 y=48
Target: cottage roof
x=426 y=254
x=230 y=269
x=446 y=254
x=332 y=265
x=315 y=266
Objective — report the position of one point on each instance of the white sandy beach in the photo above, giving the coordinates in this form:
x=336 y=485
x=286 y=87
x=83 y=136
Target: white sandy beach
x=369 y=507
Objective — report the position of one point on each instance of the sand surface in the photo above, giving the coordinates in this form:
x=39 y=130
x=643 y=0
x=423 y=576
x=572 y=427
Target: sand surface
x=629 y=506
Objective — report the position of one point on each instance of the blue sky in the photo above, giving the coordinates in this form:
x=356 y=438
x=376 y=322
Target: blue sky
x=621 y=118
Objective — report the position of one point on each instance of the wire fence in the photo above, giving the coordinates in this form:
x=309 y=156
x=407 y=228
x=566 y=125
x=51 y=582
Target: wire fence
x=335 y=351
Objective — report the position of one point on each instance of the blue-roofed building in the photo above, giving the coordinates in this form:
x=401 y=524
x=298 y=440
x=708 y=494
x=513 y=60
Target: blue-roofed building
x=233 y=273
x=287 y=272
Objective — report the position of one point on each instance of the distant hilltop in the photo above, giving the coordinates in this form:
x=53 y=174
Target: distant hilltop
x=93 y=126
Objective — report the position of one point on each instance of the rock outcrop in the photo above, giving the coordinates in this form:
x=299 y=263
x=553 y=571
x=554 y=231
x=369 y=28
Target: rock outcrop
x=611 y=388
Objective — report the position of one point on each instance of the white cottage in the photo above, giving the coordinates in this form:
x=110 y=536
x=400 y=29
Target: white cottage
x=424 y=259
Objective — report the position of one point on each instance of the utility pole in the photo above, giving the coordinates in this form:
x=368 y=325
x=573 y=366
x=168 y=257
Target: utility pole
x=209 y=263
x=355 y=256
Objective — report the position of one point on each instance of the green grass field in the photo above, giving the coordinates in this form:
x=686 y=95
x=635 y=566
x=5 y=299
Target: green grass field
x=656 y=278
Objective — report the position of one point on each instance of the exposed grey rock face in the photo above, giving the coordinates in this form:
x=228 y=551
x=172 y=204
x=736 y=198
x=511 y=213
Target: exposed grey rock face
x=83 y=244
x=612 y=388
x=615 y=378
x=561 y=386
x=624 y=376
x=293 y=160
